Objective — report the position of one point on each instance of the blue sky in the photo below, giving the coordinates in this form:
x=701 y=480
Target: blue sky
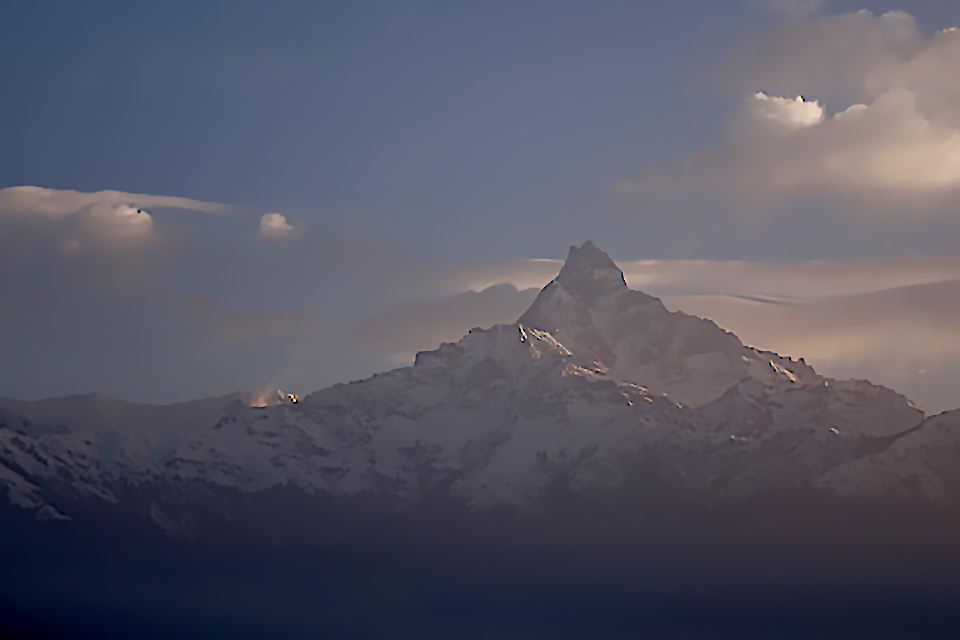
x=401 y=141
x=397 y=117
x=386 y=116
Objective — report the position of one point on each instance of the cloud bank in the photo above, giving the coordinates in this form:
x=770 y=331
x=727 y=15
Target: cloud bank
x=90 y=295
x=888 y=143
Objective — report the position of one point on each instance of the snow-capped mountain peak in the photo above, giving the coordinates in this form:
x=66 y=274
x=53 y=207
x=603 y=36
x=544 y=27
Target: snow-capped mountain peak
x=590 y=310
x=588 y=273
x=593 y=380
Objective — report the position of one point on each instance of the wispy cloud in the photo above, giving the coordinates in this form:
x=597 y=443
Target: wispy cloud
x=59 y=203
x=783 y=280
x=31 y=217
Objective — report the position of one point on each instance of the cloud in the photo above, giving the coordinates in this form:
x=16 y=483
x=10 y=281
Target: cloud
x=781 y=112
x=88 y=295
x=37 y=221
x=894 y=328
x=93 y=287
x=891 y=145
x=275 y=225
x=894 y=337
x=785 y=281
x=57 y=203
x=121 y=221
x=844 y=56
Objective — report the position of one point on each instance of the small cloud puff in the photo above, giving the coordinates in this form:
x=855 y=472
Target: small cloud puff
x=790 y=113
x=275 y=225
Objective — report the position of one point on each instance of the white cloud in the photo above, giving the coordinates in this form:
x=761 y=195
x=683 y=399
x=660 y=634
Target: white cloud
x=122 y=221
x=792 y=114
x=275 y=225
x=57 y=203
x=105 y=218
x=893 y=141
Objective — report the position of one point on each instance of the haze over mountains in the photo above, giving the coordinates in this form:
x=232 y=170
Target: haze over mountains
x=594 y=383
x=746 y=426
x=602 y=451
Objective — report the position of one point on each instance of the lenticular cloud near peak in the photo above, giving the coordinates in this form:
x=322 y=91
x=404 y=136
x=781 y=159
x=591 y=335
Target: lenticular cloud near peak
x=60 y=203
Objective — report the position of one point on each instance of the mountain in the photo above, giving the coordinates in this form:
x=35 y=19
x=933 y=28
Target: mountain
x=95 y=430
x=598 y=393
x=590 y=309
x=920 y=465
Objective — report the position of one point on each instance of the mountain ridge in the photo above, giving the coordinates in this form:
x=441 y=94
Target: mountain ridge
x=593 y=384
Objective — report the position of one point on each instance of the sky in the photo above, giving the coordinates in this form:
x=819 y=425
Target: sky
x=197 y=198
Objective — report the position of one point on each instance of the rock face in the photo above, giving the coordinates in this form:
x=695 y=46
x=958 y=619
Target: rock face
x=595 y=386
x=589 y=308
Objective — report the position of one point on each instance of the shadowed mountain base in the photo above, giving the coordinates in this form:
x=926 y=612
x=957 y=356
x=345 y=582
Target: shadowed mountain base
x=821 y=566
